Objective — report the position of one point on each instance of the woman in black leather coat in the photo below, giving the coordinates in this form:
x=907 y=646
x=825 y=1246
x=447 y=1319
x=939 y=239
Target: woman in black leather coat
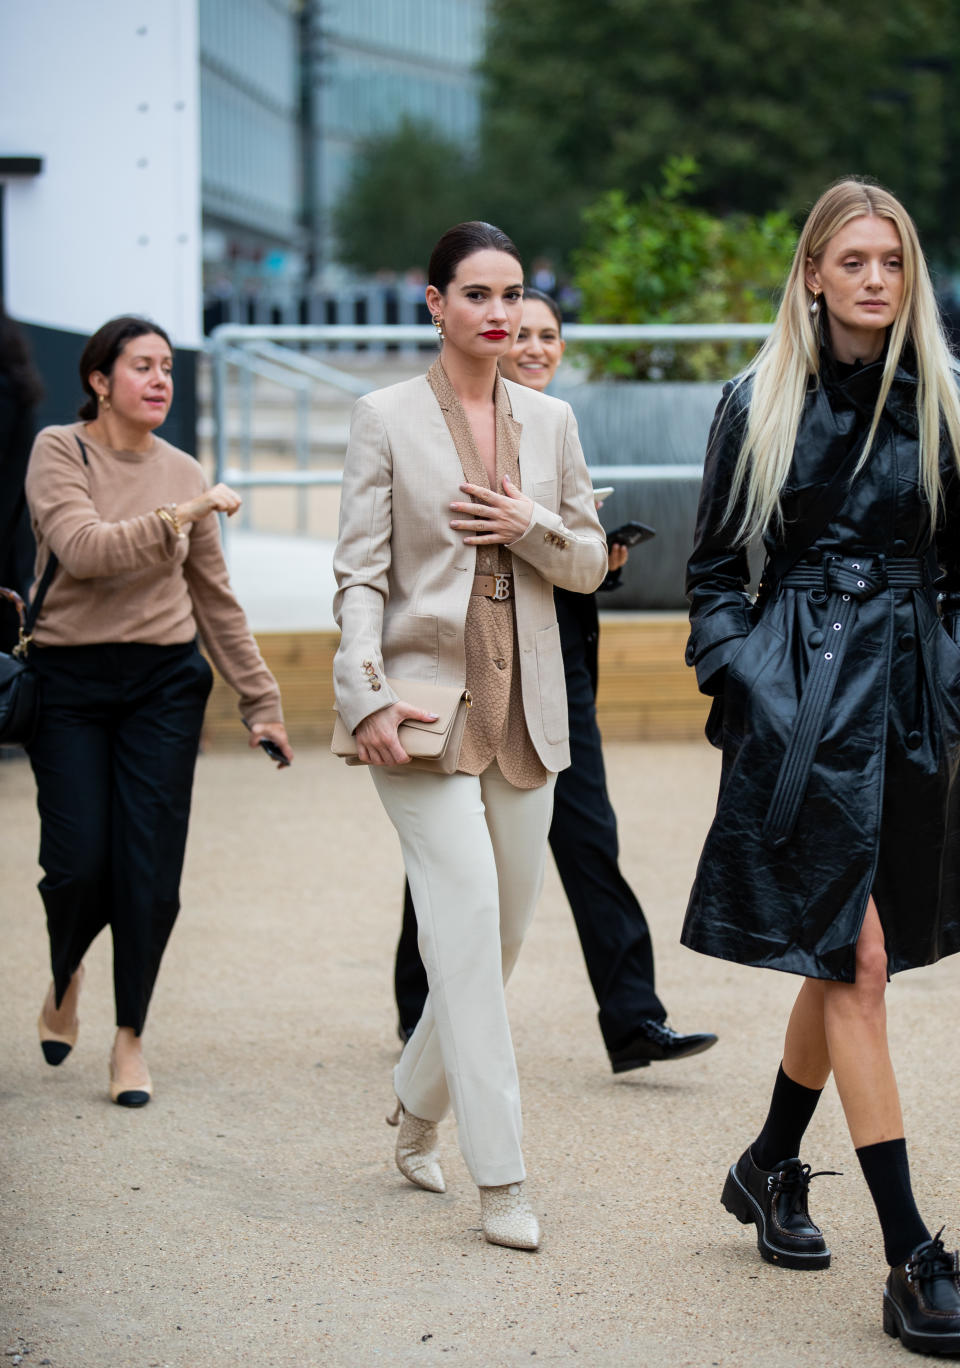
x=833 y=853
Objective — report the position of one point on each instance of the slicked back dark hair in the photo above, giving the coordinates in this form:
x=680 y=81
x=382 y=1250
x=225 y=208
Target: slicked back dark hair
x=462 y=241
x=104 y=347
x=540 y=297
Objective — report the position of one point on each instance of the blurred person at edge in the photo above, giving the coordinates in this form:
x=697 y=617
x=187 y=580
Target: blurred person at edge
x=834 y=852
x=465 y=499
x=123 y=685
x=20 y=392
x=613 y=931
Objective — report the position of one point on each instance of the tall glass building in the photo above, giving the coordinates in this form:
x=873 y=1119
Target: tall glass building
x=386 y=58
x=290 y=89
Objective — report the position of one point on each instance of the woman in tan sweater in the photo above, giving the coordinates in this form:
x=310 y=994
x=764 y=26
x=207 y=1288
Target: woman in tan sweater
x=139 y=571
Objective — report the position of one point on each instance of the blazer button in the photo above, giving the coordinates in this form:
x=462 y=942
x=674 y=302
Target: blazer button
x=375 y=686
x=689 y=654
x=914 y=740
x=367 y=664
x=907 y=641
x=815 y=639
x=548 y=536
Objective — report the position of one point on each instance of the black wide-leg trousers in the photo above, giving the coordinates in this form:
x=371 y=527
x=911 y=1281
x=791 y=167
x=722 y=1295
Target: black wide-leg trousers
x=114 y=758
x=613 y=931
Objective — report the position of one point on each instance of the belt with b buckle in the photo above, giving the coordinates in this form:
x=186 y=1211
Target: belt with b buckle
x=496 y=587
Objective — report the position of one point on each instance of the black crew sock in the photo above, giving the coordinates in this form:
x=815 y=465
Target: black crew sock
x=887 y=1171
x=791 y=1107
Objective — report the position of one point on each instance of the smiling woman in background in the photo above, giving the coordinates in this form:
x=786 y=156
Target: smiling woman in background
x=125 y=523
x=465 y=499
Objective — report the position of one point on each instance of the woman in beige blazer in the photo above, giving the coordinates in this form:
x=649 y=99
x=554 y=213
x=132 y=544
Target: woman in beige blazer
x=465 y=500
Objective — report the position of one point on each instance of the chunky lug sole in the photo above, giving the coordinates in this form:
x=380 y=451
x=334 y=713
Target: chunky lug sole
x=739 y=1202
x=920 y=1341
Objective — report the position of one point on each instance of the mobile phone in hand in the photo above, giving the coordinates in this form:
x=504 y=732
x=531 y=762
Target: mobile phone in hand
x=630 y=534
x=273 y=750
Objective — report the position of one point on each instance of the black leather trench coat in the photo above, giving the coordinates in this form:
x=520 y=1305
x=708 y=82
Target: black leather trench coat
x=836 y=701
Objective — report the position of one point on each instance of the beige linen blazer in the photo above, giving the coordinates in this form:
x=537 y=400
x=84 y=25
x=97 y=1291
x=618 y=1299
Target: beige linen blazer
x=405 y=576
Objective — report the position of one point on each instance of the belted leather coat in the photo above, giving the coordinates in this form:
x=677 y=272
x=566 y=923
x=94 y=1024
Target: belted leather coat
x=836 y=696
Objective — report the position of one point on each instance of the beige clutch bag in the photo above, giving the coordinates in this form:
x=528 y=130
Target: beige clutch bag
x=432 y=746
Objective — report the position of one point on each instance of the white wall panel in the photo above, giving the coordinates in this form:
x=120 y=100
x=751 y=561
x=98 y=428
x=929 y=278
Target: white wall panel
x=107 y=95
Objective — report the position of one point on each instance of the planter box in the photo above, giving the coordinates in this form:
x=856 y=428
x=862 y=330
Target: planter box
x=637 y=423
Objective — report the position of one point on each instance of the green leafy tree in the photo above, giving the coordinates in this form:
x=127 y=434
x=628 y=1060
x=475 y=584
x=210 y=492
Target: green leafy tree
x=665 y=260
x=408 y=186
x=774 y=102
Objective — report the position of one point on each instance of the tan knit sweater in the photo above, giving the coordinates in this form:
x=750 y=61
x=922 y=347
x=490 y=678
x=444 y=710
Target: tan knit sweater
x=124 y=575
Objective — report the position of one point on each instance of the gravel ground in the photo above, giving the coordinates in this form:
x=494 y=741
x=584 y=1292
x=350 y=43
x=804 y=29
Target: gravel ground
x=252 y=1214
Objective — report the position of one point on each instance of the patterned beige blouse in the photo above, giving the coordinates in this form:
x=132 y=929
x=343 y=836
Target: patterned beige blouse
x=496 y=727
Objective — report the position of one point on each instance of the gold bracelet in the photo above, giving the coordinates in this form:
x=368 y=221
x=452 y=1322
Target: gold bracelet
x=169 y=516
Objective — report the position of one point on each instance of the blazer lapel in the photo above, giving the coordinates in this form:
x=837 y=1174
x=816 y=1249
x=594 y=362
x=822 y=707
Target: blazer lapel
x=509 y=431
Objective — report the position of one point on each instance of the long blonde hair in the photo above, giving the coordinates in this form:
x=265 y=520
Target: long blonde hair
x=781 y=371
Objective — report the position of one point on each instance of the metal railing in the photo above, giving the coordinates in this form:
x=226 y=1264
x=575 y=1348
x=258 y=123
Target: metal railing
x=257 y=350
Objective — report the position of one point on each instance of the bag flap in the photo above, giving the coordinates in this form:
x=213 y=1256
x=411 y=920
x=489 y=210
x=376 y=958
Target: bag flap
x=442 y=699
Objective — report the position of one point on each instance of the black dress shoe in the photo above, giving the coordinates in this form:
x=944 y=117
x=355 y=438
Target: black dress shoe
x=921 y=1301
x=776 y=1201
x=653 y=1041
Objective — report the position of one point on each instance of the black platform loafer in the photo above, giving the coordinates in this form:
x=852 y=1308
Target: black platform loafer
x=653 y=1041
x=776 y=1201
x=921 y=1301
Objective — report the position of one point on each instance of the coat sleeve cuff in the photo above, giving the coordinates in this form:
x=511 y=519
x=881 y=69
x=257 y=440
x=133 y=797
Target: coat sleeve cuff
x=571 y=560
x=711 y=663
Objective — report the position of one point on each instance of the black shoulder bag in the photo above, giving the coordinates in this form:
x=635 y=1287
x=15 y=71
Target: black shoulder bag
x=19 y=692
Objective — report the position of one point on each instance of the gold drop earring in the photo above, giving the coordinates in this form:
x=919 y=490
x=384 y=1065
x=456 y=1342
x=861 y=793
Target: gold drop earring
x=104 y=401
x=438 y=324
x=815 y=306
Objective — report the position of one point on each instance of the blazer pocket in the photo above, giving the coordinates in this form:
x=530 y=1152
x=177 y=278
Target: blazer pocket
x=411 y=645
x=545 y=493
x=553 y=691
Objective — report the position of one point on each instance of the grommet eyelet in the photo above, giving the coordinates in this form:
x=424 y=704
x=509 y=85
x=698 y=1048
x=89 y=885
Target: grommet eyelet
x=846 y=598
x=855 y=566
x=860 y=584
x=828 y=655
x=837 y=626
x=817 y=595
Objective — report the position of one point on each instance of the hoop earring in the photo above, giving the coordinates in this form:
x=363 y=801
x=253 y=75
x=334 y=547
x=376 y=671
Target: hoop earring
x=438 y=324
x=815 y=306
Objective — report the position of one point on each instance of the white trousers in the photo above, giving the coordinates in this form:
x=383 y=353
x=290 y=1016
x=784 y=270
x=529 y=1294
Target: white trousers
x=474 y=850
